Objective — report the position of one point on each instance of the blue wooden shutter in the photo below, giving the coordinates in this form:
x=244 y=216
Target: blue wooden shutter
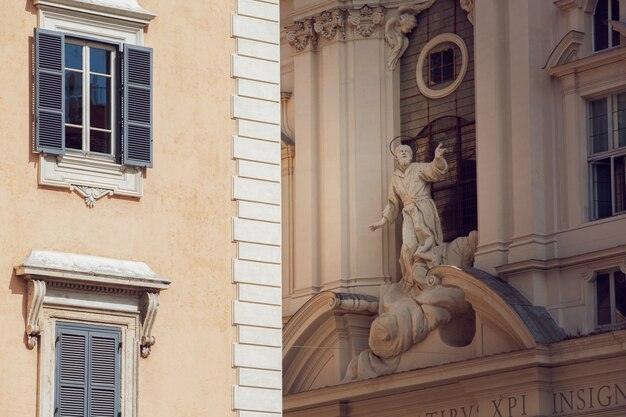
x=88 y=371
x=71 y=375
x=137 y=106
x=104 y=374
x=49 y=92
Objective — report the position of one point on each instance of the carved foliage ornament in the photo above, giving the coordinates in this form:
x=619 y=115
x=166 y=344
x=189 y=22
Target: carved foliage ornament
x=300 y=34
x=366 y=19
x=329 y=23
x=90 y=194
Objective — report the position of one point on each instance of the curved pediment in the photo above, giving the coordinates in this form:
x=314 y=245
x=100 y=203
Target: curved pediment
x=323 y=337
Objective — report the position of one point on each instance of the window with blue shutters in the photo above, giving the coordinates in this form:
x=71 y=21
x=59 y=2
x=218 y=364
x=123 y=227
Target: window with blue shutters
x=87 y=382
x=93 y=98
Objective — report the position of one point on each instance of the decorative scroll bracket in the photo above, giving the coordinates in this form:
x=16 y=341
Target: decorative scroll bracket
x=149 y=307
x=90 y=194
x=36 y=294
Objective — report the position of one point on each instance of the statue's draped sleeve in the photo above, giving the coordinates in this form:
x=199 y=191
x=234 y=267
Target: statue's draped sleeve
x=435 y=171
x=394 y=204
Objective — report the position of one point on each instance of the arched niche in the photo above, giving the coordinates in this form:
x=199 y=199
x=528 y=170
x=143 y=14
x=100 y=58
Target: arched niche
x=321 y=339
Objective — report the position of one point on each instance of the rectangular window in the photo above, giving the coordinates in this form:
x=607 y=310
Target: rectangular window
x=89 y=96
x=607 y=156
x=93 y=98
x=610 y=299
x=441 y=65
x=87 y=377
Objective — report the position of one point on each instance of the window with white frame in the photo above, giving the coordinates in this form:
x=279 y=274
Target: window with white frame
x=75 y=103
x=610 y=299
x=604 y=36
x=90 y=98
x=607 y=156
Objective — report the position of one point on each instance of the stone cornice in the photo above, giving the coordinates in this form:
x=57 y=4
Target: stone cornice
x=89 y=274
x=500 y=366
x=128 y=10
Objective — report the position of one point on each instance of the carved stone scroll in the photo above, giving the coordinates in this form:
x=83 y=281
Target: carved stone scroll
x=36 y=294
x=301 y=34
x=90 y=194
x=329 y=23
x=398 y=28
x=149 y=307
x=366 y=19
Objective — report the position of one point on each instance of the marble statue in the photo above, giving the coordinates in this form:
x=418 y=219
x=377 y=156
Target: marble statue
x=397 y=29
x=409 y=310
x=409 y=195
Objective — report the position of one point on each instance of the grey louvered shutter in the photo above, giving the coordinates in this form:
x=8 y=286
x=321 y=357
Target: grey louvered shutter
x=88 y=371
x=104 y=374
x=49 y=92
x=71 y=376
x=137 y=106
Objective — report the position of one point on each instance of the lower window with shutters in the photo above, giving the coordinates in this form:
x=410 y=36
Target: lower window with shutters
x=87 y=381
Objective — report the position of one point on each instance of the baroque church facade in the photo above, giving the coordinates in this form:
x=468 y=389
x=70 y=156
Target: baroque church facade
x=527 y=99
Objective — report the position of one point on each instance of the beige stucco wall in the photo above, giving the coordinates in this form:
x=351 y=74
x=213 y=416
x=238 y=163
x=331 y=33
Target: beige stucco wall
x=181 y=227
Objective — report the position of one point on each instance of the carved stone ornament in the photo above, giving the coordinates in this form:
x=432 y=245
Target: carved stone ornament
x=329 y=23
x=301 y=34
x=366 y=19
x=149 y=307
x=398 y=28
x=468 y=6
x=36 y=294
x=90 y=194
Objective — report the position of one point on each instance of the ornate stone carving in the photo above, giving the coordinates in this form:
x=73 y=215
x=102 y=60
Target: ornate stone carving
x=36 y=294
x=568 y=4
x=468 y=6
x=366 y=19
x=397 y=29
x=149 y=307
x=301 y=34
x=90 y=194
x=329 y=23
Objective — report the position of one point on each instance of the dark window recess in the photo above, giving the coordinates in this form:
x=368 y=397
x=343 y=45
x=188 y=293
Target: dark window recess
x=603 y=35
x=441 y=66
x=87 y=381
x=611 y=298
x=455 y=196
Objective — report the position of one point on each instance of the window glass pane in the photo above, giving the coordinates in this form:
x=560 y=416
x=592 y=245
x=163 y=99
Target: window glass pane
x=73 y=137
x=448 y=64
x=601 y=192
x=100 y=101
x=620 y=297
x=619 y=178
x=73 y=56
x=619 y=117
x=600 y=25
x=615 y=16
x=435 y=67
x=99 y=141
x=603 y=297
x=598 y=126
x=73 y=97
x=99 y=60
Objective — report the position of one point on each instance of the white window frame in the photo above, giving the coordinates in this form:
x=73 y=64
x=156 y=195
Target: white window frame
x=86 y=88
x=129 y=325
x=92 y=176
x=611 y=153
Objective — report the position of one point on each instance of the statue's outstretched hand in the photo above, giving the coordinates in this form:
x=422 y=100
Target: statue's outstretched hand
x=440 y=151
x=377 y=225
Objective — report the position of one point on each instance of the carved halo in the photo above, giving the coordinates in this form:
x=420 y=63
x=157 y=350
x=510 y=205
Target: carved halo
x=430 y=45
